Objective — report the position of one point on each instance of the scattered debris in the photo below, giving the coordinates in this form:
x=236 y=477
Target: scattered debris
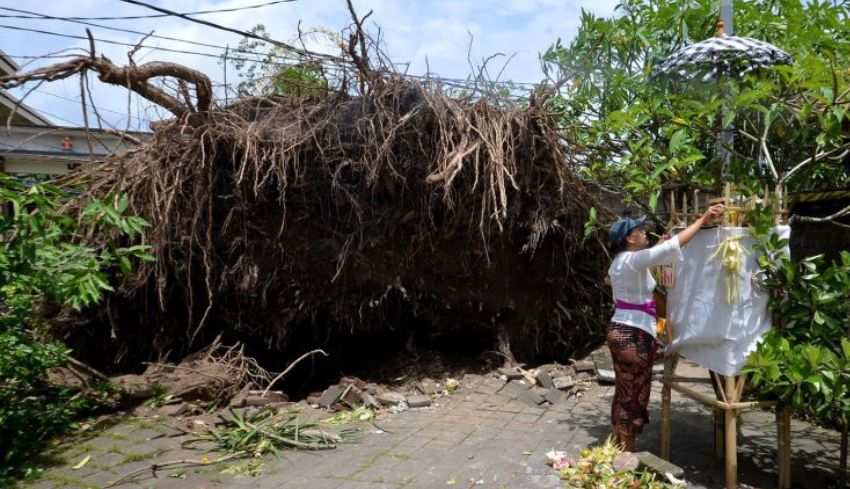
x=214 y=375
x=82 y=463
x=344 y=417
x=255 y=432
x=184 y=463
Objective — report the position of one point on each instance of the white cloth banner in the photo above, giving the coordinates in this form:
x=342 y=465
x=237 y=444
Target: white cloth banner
x=706 y=328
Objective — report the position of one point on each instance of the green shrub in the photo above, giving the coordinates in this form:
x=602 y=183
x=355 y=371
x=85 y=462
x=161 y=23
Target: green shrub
x=43 y=260
x=804 y=361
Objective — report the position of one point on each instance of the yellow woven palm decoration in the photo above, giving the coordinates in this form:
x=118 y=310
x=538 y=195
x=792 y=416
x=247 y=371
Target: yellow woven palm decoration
x=730 y=252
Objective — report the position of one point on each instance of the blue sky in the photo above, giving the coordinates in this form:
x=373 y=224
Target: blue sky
x=423 y=33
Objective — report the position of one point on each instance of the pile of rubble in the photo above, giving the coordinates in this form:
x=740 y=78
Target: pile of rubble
x=192 y=388
x=352 y=393
x=545 y=385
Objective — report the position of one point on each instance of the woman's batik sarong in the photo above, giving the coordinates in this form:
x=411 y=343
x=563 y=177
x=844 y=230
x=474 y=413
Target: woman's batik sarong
x=634 y=352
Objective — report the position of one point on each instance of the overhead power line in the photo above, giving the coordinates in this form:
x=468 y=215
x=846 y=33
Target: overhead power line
x=120 y=43
x=459 y=82
x=92 y=106
x=232 y=30
x=151 y=16
x=36 y=15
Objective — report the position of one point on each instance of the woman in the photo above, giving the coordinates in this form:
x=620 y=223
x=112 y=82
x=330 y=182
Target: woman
x=631 y=334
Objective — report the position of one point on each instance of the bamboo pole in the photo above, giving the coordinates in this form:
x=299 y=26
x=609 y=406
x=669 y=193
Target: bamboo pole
x=785 y=460
x=780 y=450
x=692 y=380
x=719 y=415
x=731 y=440
x=666 y=406
x=842 y=463
x=739 y=387
x=723 y=406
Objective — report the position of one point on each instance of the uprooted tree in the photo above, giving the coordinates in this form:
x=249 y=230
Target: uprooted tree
x=384 y=206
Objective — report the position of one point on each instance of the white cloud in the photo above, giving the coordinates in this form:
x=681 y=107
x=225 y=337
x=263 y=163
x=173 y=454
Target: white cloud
x=413 y=31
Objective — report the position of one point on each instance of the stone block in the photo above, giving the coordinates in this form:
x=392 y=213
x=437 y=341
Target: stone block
x=554 y=395
x=605 y=376
x=369 y=400
x=173 y=409
x=545 y=380
x=625 y=461
x=513 y=389
x=531 y=397
x=512 y=373
x=352 y=397
x=584 y=366
x=658 y=465
x=418 y=401
x=584 y=375
x=604 y=365
x=428 y=387
x=564 y=382
x=330 y=397
x=390 y=398
x=257 y=398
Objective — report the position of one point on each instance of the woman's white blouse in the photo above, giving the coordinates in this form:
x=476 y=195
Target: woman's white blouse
x=631 y=280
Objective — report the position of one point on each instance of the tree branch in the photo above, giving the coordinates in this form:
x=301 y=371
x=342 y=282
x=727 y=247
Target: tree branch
x=830 y=218
x=810 y=160
x=135 y=78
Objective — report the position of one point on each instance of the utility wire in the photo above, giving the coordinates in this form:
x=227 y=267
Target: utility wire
x=327 y=60
x=151 y=16
x=281 y=57
x=234 y=31
x=118 y=43
x=37 y=15
x=91 y=105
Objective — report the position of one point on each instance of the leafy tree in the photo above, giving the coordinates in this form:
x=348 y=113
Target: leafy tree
x=277 y=72
x=643 y=133
x=640 y=133
x=43 y=261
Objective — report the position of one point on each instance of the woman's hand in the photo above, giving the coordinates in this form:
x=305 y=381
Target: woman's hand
x=712 y=213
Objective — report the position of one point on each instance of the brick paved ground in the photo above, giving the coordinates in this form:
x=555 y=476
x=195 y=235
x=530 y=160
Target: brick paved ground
x=480 y=436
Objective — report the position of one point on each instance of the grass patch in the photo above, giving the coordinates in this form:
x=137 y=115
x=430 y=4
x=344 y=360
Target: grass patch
x=130 y=457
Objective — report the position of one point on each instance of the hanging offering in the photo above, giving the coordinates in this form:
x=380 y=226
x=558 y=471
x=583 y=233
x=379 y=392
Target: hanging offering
x=730 y=253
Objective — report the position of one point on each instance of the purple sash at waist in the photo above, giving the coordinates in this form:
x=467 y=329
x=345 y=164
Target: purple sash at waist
x=647 y=307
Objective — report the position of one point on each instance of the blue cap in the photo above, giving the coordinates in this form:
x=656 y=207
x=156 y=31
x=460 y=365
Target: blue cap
x=622 y=228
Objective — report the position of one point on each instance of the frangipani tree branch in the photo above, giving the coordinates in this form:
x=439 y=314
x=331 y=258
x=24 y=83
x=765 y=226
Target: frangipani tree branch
x=830 y=218
x=135 y=78
x=813 y=159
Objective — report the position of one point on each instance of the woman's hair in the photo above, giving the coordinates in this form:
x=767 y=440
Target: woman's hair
x=617 y=248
